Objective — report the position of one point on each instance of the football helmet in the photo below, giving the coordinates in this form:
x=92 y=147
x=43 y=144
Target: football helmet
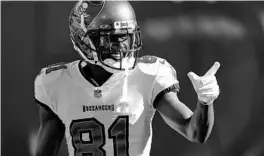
x=106 y=33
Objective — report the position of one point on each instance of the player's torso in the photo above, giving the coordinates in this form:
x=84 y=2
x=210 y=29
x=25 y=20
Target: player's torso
x=96 y=123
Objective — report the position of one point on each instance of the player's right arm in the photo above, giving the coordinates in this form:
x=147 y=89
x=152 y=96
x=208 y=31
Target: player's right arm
x=51 y=132
x=51 y=129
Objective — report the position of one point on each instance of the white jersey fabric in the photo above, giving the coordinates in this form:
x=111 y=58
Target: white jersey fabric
x=96 y=123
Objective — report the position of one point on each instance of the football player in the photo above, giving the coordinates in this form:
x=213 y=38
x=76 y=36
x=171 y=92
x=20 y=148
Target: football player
x=104 y=103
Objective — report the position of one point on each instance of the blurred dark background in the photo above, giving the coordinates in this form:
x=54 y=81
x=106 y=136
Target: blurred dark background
x=190 y=35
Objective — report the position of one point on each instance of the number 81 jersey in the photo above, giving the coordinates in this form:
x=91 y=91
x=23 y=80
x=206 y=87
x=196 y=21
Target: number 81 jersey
x=98 y=122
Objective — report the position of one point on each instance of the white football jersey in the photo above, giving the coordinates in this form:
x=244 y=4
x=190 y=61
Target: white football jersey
x=97 y=121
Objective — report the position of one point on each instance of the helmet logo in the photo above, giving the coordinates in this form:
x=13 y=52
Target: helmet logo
x=83 y=7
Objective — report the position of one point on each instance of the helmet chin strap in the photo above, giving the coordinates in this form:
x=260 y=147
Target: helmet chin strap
x=125 y=86
x=123 y=103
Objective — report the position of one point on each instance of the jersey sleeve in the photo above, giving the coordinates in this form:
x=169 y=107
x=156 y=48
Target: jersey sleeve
x=165 y=80
x=41 y=91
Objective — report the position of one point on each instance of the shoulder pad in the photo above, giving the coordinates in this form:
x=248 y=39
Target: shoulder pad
x=50 y=73
x=147 y=59
x=148 y=64
x=165 y=68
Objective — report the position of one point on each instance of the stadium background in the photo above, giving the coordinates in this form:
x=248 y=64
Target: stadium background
x=190 y=35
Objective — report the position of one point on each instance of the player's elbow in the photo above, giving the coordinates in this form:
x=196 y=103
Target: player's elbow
x=199 y=140
x=196 y=137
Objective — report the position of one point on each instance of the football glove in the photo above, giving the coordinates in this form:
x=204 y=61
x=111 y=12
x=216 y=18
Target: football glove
x=206 y=86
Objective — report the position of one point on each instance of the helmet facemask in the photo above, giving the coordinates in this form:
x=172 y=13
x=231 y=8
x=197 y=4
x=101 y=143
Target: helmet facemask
x=115 y=49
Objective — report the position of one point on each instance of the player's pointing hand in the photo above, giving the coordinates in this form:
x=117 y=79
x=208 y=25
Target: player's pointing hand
x=206 y=86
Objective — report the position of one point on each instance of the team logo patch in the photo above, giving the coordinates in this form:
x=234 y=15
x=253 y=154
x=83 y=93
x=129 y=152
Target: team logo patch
x=97 y=93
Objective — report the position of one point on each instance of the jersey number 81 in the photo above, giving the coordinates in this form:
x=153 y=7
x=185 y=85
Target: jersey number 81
x=118 y=131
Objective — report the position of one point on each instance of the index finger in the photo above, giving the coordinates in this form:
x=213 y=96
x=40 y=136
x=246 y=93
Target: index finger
x=213 y=69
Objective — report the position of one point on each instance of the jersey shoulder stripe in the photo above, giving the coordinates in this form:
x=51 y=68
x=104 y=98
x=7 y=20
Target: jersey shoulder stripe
x=51 y=73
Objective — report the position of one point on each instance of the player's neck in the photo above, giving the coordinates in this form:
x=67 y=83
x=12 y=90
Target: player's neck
x=95 y=73
x=98 y=71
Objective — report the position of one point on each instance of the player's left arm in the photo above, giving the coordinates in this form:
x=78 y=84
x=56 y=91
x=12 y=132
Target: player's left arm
x=195 y=126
